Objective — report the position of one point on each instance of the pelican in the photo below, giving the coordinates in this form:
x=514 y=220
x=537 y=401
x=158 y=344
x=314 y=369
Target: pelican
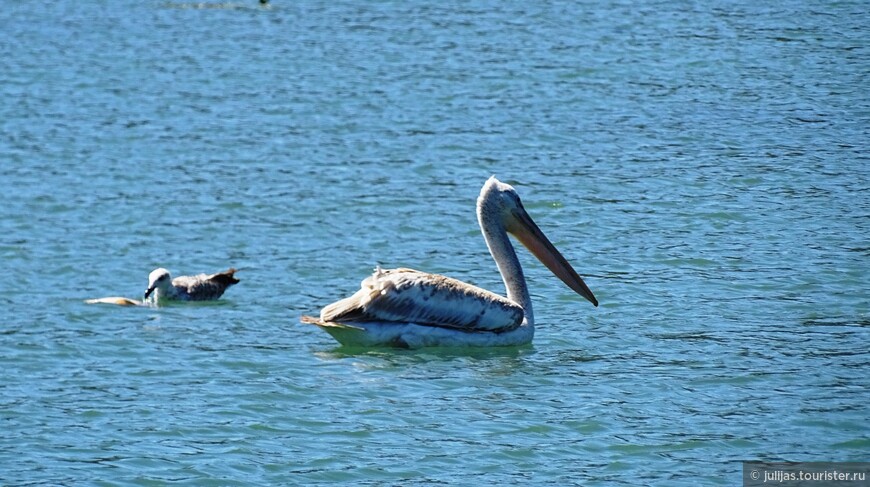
x=201 y=287
x=413 y=309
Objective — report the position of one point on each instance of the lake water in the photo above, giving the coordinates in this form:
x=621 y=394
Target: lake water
x=704 y=166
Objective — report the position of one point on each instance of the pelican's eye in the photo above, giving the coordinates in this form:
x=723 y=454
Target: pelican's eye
x=515 y=199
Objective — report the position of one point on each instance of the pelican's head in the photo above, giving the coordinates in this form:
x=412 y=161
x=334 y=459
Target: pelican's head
x=499 y=198
x=158 y=279
x=500 y=202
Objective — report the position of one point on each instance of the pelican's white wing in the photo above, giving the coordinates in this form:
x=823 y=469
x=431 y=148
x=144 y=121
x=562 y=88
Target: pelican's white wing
x=405 y=296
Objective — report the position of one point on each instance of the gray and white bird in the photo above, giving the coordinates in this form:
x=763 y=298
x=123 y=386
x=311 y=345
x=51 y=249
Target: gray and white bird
x=201 y=287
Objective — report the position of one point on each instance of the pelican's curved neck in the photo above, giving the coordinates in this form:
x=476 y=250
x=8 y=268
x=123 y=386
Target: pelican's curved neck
x=506 y=259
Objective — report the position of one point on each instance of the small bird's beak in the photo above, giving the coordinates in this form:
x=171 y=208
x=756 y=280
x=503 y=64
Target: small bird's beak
x=149 y=291
x=528 y=233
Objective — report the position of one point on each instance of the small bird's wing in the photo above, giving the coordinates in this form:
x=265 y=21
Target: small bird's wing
x=205 y=287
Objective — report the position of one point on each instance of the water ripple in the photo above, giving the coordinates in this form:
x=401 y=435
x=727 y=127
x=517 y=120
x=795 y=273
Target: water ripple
x=704 y=168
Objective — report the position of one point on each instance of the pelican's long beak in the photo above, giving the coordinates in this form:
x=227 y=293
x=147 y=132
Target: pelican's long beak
x=528 y=233
x=149 y=290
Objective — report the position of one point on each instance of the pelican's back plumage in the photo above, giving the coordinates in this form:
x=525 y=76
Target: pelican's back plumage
x=409 y=296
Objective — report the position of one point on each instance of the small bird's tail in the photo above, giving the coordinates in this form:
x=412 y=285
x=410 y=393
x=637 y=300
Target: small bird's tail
x=226 y=277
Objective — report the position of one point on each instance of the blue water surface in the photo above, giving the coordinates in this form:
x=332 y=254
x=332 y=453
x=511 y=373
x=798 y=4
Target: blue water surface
x=703 y=165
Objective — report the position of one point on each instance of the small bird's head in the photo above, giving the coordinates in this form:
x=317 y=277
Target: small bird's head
x=158 y=279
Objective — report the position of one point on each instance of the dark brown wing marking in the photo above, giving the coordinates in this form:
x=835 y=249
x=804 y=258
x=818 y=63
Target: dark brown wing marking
x=205 y=287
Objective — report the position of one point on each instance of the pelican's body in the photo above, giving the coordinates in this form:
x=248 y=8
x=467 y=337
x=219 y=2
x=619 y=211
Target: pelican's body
x=202 y=287
x=408 y=308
